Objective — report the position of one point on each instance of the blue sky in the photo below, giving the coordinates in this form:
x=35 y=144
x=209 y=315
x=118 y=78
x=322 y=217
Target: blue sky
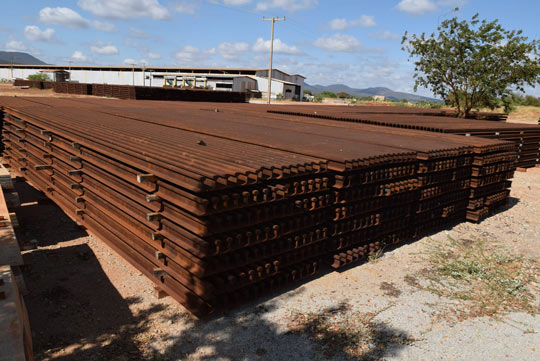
x=352 y=42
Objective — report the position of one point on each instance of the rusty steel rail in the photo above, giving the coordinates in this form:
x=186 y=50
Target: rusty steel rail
x=220 y=205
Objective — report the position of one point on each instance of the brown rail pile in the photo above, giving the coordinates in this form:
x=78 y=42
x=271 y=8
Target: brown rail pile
x=526 y=136
x=391 y=109
x=218 y=206
x=137 y=92
x=30 y=83
x=150 y=93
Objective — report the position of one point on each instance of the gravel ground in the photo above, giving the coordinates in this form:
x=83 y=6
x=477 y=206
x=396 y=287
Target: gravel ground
x=86 y=303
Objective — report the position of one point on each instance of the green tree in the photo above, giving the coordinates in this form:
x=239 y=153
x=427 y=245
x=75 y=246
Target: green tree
x=470 y=63
x=327 y=94
x=39 y=77
x=308 y=92
x=343 y=95
x=531 y=101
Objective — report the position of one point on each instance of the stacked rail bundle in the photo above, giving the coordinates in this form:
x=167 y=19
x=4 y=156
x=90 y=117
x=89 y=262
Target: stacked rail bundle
x=444 y=181
x=448 y=165
x=196 y=95
x=491 y=116
x=152 y=93
x=71 y=88
x=444 y=177
x=211 y=240
x=526 y=136
x=392 y=109
x=30 y=83
x=220 y=211
x=481 y=148
x=441 y=185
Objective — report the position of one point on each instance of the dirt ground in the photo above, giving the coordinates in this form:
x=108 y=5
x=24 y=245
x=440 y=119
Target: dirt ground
x=86 y=303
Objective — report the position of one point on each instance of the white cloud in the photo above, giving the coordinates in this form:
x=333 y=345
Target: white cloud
x=103 y=26
x=186 y=7
x=365 y=21
x=104 y=49
x=34 y=33
x=417 y=7
x=231 y=51
x=340 y=42
x=14 y=45
x=125 y=9
x=70 y=19
x=153 y=56
x=133 y=62
x=79 y=57
x=288 y=5
x=236 y=2
x=192 y=55
x=279 y=47
x=385 y=35
x=63 y=17
x=138 y=33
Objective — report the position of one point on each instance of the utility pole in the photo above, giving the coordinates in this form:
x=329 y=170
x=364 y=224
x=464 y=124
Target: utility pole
x=273 y=20
x=143 y=75
x=133 y=72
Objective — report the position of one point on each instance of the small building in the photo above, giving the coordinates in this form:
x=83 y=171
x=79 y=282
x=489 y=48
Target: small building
x=379 y=98
x=57 y=75
x=224 y=82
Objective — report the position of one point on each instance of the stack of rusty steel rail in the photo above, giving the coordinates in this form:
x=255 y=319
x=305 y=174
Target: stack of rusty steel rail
x=157 y=93
x=392 y=109
x=526 y=136
x=488 y=163
x=30 y=83
x=218 y=204
x=438 y=192
x=72 y=88
x=138 y=92
x=212 y=221
x=113 y=91
x=189 y=94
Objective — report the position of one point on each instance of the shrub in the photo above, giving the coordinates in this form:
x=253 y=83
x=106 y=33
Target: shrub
x=39 y=77
x=531 y=101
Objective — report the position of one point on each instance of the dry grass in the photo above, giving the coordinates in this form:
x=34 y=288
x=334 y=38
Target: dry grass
x=480 y=279
x=525 y=114
x=341 y=331
x=522 y=114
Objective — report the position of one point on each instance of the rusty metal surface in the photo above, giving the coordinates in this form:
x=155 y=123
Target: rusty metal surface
x=218 y=204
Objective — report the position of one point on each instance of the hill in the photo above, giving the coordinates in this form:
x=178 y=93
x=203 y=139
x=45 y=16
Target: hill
x=367 y=92
x=7 y=57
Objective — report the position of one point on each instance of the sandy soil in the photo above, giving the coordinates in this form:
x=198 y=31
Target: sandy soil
x=86 y=303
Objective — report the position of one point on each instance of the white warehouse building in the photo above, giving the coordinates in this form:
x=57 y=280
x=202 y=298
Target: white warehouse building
x=284 y=85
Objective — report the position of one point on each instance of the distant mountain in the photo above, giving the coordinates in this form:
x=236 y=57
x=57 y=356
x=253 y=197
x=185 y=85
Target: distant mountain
x=8 y=57
x=367 y=92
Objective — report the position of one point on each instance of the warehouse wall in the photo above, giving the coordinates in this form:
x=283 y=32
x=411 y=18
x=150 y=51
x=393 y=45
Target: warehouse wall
x=124 y=77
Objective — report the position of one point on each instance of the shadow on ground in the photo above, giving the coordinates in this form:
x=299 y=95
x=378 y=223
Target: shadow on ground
x=41 y=221
x=76 y=313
